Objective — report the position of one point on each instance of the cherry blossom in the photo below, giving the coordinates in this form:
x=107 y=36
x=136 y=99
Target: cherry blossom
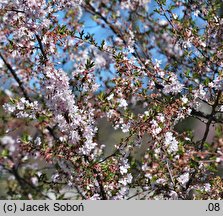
x=143 y=71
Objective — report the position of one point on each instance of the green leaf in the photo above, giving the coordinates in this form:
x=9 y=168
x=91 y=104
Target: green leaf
x=81 y=34
x=89 y=64
x=5 y=153
x=172 y=7
x=102 y=45
x=25 y=138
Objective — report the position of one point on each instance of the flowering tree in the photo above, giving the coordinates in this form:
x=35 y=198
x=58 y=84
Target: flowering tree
x=59 y=81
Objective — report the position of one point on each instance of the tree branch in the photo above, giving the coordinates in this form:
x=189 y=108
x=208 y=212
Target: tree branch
x=210 y=119
x=15 y=76
x=41 y=47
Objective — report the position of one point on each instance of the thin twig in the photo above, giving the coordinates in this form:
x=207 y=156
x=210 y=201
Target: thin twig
x=170 y=173
x=41 y=47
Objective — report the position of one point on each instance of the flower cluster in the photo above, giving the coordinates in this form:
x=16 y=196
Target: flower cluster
x=23 y=108
x=110 y=114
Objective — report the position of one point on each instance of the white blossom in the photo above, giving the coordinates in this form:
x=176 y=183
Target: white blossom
x=34 y=181
x=173 y=86
x=157 y=63
x=184 y=99
x=175 y=16
x=7 y=140
x=196 y=13
x=171 y=142
x=125 y=128
x=122 y=103
x=183 y=179
x=9 y=108
x=37 y=141
x=124 y=166
x=95 y=197
x=110 y=97
x=207 y=187
x=126 y=180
